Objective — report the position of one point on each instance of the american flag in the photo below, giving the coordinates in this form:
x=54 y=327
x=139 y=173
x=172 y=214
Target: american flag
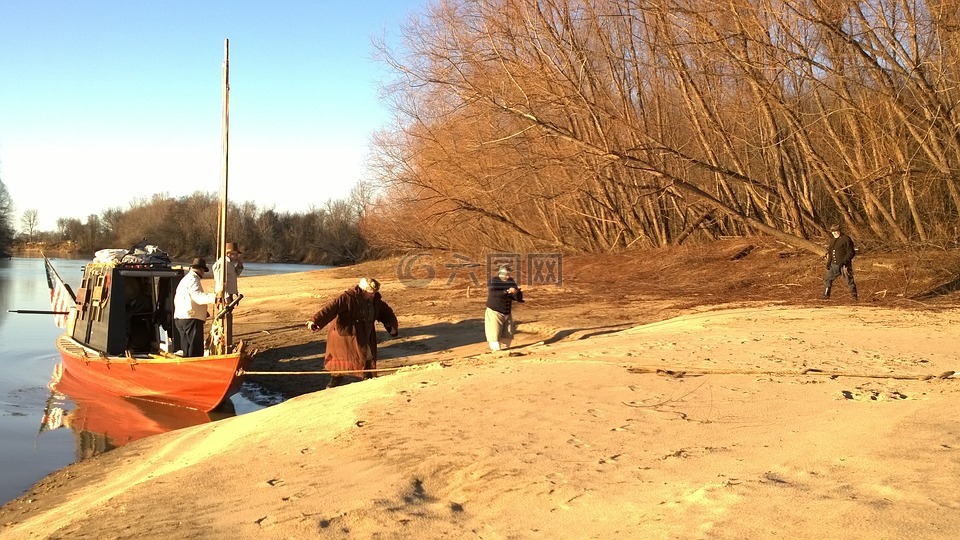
x=61 y=297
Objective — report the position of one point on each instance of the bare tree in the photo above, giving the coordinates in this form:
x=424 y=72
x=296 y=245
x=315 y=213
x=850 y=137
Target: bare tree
x=28 y=223
x=6 y=217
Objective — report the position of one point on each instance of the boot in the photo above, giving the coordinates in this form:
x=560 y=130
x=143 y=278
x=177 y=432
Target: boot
x=853 y=293
x=826 y=294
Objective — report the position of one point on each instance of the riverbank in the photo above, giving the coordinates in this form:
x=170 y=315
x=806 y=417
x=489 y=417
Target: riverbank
x=702 y=393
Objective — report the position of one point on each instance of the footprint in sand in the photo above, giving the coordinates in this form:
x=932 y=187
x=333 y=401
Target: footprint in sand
x=869 y=394
x=576 y=442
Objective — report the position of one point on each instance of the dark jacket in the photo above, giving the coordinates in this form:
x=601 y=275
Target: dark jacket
x=498 y=299
x=354 y=335
x=840 y=251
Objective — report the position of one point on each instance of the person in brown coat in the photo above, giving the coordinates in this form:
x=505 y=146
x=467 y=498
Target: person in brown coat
x=352 y=340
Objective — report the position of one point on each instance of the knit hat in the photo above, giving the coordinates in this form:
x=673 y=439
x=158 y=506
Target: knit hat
x=369 y=284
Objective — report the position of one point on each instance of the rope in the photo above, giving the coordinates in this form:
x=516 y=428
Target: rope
x=319 y=372
x=270 y=331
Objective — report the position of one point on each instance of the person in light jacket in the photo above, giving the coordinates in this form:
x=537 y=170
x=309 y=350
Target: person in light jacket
x=225 y=272
x=232 y=265
x=190 y=309
x=352 y=339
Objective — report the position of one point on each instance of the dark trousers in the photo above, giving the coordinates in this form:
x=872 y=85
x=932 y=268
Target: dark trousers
x=833 y=273
x=190 y=336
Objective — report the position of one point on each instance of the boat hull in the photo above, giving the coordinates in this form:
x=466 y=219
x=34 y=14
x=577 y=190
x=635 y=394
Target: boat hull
x=200 y=383
x=102 y=421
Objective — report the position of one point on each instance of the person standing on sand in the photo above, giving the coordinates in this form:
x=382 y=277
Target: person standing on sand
x=840 y=253
x=352 y=340
x=498 y=325
x=190 y=309
x=226 y=288
x=225 y=272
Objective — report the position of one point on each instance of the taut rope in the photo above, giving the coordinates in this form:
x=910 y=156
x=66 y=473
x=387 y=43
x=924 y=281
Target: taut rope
x=318 y=372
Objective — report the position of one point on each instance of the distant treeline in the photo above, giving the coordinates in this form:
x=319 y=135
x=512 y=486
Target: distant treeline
x=186 y=227
x=6 y=221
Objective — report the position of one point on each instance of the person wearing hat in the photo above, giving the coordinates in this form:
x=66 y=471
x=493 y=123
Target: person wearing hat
x=225 y=282
x=352 y=338
x=225 y=272
x=840 y=253
x=190 y=309
x=498 y=325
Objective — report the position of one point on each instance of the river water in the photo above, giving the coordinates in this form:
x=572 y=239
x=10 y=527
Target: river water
x=42 y=430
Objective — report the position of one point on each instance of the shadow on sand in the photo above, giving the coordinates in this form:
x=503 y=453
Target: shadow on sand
x=294 y=363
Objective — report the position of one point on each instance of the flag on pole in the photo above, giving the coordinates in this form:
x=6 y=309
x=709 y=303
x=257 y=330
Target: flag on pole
x=62 y=298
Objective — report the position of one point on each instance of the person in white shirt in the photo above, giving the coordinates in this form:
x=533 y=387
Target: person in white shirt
x=190 y=309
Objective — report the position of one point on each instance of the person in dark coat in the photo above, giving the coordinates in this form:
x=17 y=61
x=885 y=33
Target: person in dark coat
x=352 y=340
x=502 y=292
x=840 y=253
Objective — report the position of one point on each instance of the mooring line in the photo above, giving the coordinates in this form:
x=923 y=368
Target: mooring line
x=319 y=372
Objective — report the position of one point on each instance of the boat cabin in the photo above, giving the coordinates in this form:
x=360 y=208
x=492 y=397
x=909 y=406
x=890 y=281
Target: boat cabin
x=122 y=308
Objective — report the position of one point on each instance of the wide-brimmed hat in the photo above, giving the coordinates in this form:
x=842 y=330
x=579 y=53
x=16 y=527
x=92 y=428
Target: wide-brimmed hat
x=200 y=262
x=233 y=247
x=369 y=284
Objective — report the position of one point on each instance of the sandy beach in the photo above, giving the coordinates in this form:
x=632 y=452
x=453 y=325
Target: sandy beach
x=699 y=394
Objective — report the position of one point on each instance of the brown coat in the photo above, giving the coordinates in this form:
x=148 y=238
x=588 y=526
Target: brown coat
x=352 y=340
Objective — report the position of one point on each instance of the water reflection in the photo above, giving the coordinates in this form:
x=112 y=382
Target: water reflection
x=101 y=421
x=5 y=281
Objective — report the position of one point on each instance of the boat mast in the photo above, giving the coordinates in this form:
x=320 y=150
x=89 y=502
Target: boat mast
x=223 y=345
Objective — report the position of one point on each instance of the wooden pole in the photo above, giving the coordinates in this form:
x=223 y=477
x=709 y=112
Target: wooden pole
x=224 y=345
x=225 y=153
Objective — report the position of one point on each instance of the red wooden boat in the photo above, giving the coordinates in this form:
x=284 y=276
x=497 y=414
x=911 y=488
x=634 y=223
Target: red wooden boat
x=200 y=383
x=114 y=341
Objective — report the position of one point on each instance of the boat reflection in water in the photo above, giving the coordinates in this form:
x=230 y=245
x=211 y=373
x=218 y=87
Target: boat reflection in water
x=102 y=421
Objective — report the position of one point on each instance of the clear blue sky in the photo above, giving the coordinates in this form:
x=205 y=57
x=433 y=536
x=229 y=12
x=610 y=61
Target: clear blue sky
x=103 y=102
